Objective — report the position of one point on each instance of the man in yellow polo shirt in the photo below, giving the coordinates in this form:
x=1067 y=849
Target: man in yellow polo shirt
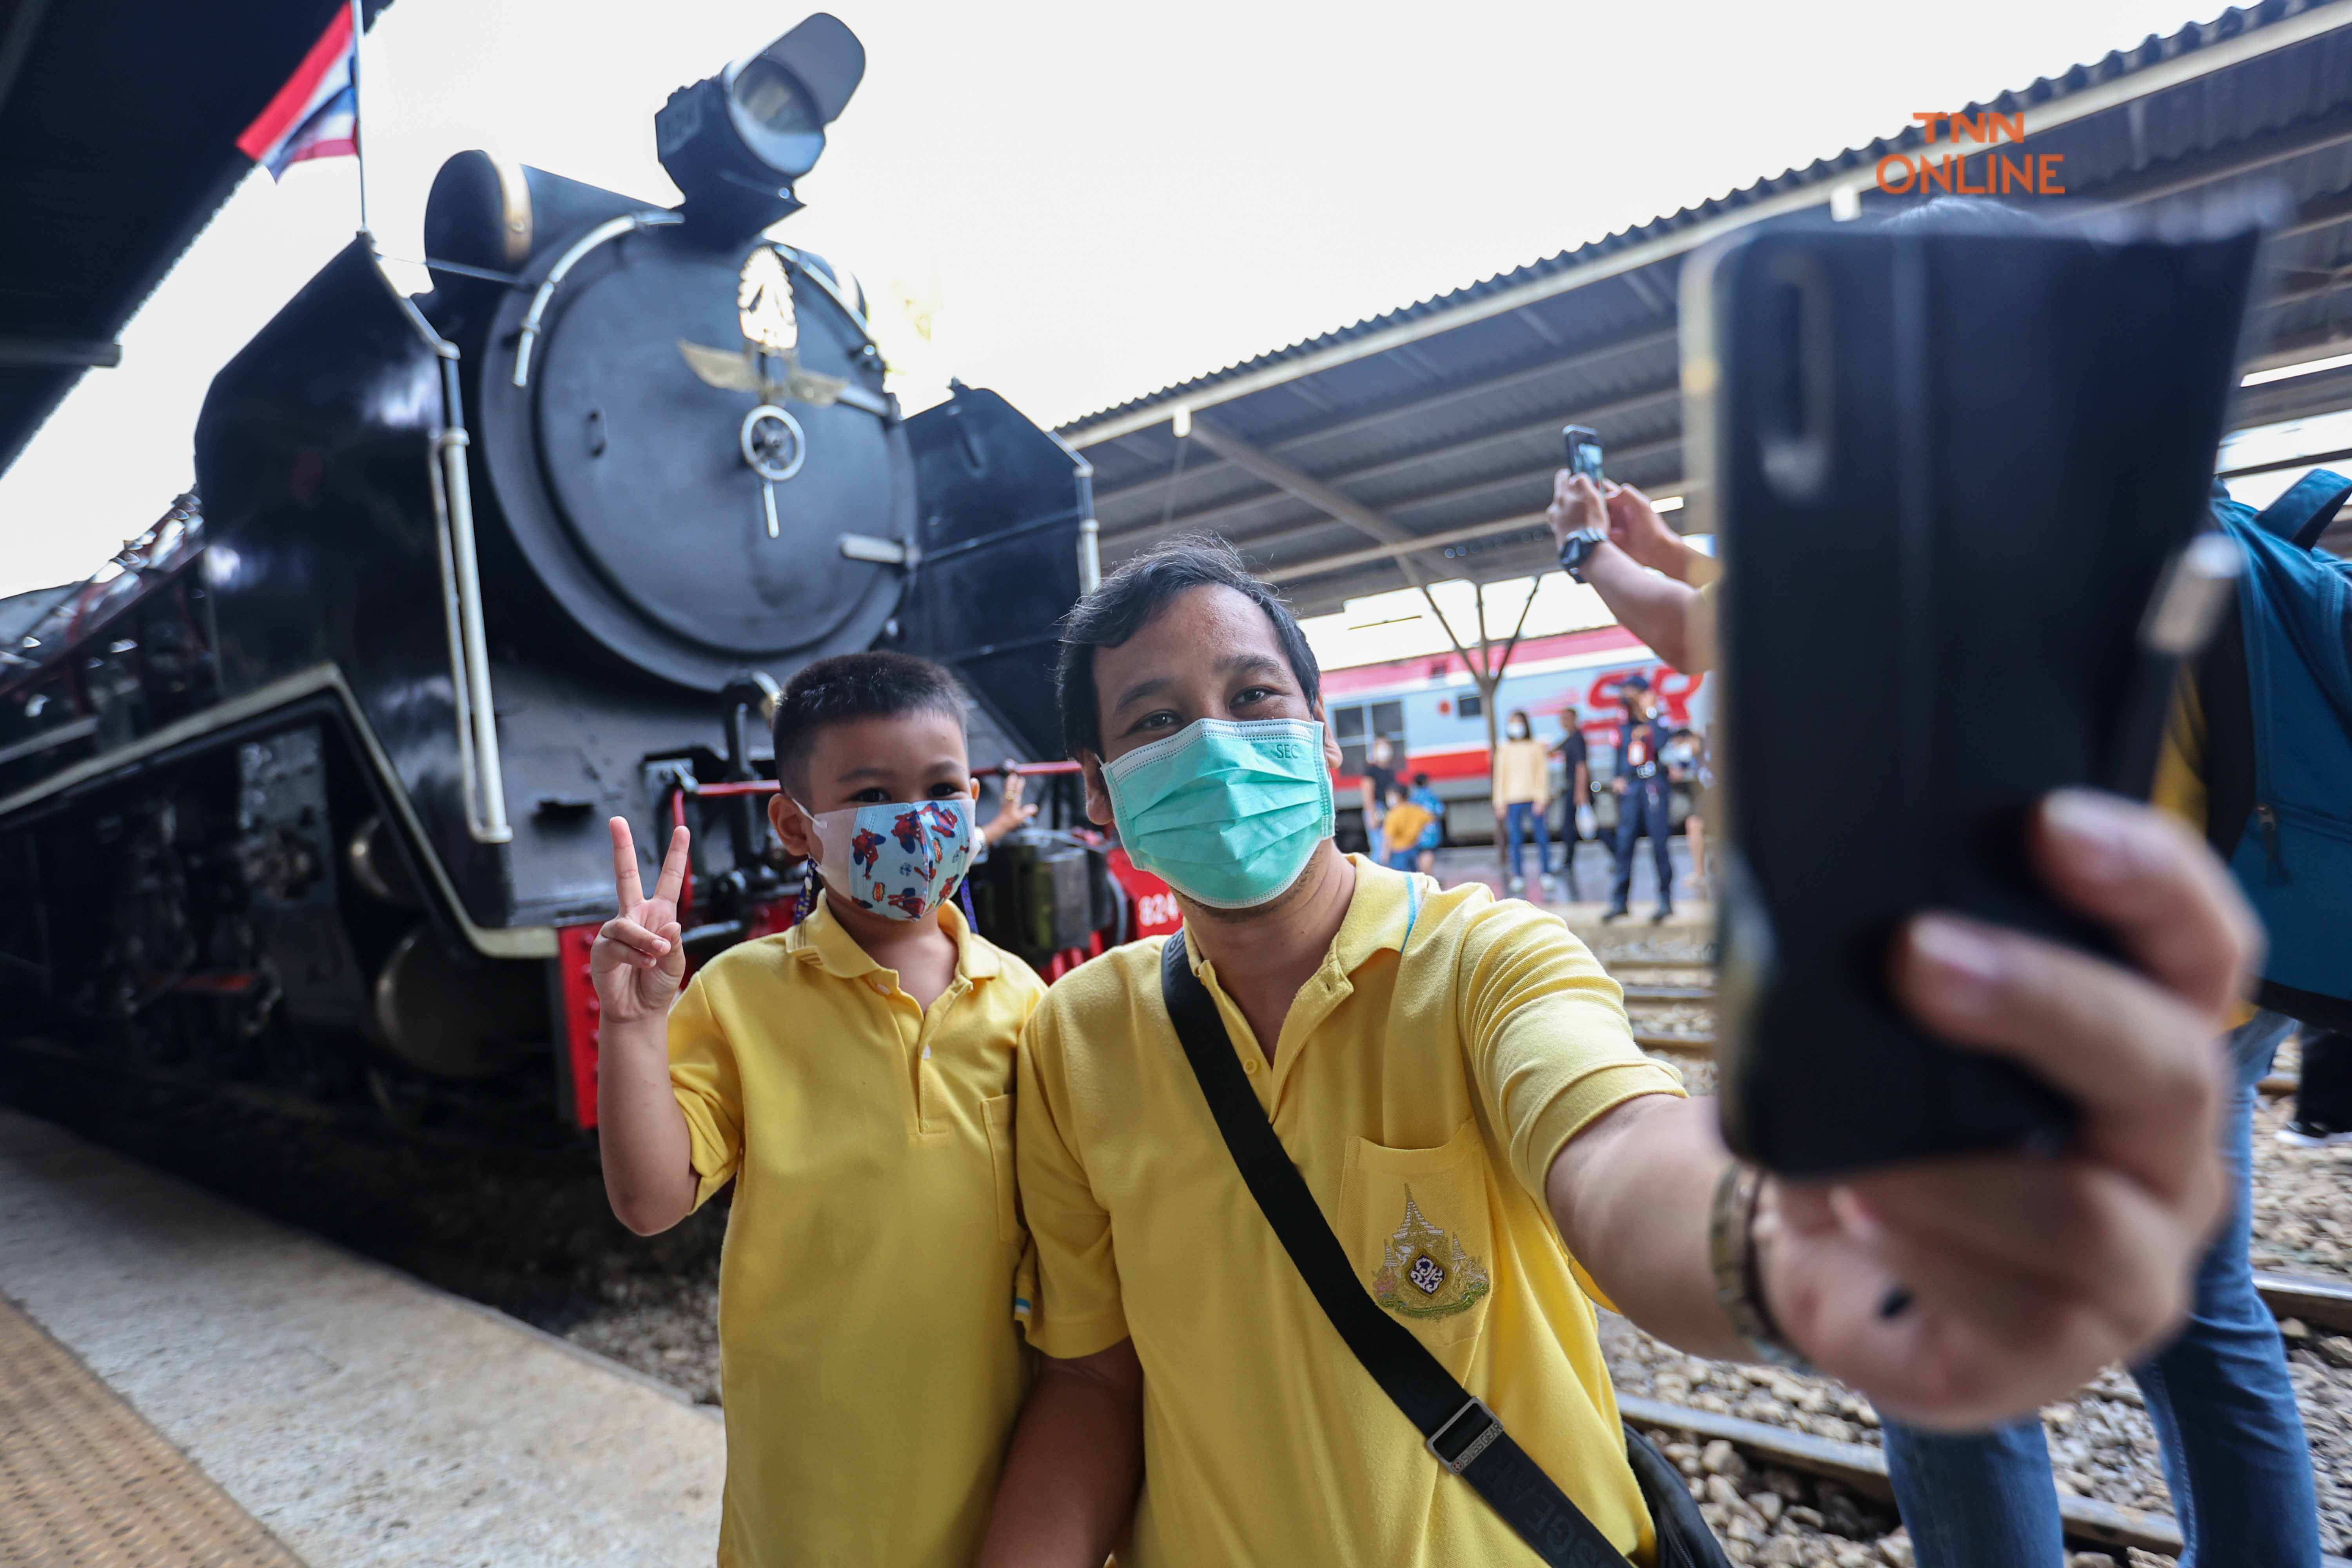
x=1454 y=1079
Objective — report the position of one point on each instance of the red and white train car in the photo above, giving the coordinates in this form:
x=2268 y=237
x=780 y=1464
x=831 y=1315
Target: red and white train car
x=1431 y=712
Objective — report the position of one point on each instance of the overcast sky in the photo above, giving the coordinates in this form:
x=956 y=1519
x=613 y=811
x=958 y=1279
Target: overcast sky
x=1106 y=197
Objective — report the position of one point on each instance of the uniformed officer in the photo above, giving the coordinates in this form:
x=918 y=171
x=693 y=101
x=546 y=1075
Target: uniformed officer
x=1641 y=787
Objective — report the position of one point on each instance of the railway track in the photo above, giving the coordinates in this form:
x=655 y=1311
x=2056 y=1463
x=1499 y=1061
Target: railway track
x=1649 y=990
x=1862 y=1469
x=1667 y=983
x=2321 y=1304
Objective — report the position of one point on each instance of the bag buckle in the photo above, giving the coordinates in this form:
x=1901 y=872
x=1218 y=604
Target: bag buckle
x=1475 y=1446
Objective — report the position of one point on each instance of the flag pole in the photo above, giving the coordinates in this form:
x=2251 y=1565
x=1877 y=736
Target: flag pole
x=359 y=147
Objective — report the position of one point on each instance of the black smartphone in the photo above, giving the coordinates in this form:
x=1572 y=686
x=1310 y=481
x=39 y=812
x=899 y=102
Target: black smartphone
x=1948 y=472
x=1583 y=451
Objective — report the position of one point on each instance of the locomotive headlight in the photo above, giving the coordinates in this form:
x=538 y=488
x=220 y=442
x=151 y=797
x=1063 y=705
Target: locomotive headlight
x=736 y=142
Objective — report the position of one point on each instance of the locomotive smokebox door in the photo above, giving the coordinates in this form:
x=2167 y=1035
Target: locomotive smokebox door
x=1006 y=547
x=672 y=434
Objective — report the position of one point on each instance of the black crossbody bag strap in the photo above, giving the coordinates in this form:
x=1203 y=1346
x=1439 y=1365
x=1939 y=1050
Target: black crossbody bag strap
x=1455 y=1427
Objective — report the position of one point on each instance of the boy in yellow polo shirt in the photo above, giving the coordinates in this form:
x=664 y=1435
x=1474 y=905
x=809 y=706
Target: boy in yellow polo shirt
x=854 y=1077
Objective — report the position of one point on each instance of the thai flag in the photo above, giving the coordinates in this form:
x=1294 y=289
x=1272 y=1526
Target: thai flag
x=316 y=113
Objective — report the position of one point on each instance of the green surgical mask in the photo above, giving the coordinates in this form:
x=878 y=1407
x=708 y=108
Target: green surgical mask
x=1227 y=814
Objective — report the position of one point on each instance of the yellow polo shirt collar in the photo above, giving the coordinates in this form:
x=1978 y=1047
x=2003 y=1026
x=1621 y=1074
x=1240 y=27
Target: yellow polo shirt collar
x=821 y=940
x=1381 y=913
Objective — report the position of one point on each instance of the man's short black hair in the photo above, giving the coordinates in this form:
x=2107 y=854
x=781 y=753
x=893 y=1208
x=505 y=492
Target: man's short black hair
x=1132 y=597
x=854 y=686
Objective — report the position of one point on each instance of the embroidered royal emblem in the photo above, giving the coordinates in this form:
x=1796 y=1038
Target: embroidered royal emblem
x=1425 y=1272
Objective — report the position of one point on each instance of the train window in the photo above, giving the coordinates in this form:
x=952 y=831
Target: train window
x=1355 y=727
x=1348 y=729
x=1470 y=705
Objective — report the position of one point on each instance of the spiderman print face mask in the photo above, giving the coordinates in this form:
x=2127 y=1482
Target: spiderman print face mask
x=899 y=860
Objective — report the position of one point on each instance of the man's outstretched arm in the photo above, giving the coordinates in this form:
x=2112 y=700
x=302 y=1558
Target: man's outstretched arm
x=1074 y=1467
x=2024 y=1274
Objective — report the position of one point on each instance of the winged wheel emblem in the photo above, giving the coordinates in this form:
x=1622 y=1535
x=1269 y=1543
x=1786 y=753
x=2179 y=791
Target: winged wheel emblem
x=763 y=301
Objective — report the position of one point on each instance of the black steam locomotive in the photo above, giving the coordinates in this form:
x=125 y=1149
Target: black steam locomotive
x=310 y=784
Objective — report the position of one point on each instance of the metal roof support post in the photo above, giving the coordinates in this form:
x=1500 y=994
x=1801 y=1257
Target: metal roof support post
x=1345 y=508
x=1312 y=490
x=1485 y=669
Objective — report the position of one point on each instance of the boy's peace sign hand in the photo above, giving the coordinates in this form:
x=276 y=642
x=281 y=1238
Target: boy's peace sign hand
x=637 y=962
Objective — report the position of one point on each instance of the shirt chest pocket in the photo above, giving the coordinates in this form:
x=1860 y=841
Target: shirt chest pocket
x=1417 y=1224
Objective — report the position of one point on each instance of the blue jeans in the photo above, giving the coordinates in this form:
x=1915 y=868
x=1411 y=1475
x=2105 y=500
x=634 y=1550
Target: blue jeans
x=2219 y=1397
x=1521 y=817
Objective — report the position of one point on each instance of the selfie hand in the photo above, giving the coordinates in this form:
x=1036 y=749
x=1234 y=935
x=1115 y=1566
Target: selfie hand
x=638 y=960
x=1576 y=505
x=1635 y=528
x=1958 y=1292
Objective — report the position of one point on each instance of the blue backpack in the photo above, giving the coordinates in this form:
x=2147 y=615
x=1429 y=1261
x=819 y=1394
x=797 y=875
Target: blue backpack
x=2285 y=823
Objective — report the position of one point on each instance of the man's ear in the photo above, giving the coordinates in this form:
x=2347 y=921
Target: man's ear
x=1098 y=791
x=793 y=827
x=1331 y=755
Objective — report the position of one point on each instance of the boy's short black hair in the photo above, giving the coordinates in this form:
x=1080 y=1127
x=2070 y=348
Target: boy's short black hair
x=1421 y=781
x=854 y=686
x=1133 y=596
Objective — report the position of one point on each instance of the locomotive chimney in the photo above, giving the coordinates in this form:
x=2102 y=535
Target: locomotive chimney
x=735 y=142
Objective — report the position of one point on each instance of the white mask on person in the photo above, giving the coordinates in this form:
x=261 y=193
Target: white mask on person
x=1518 y=731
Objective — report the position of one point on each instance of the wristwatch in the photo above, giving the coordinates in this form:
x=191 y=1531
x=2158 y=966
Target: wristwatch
x=1577 y=548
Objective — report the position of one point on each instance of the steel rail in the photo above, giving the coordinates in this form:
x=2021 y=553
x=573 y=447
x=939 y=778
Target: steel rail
x=1862 y=1467
x=1654 y=991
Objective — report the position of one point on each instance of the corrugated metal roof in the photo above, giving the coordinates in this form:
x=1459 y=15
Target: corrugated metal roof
x=1444 y=416
x=2115 y=65
x=118 y=120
